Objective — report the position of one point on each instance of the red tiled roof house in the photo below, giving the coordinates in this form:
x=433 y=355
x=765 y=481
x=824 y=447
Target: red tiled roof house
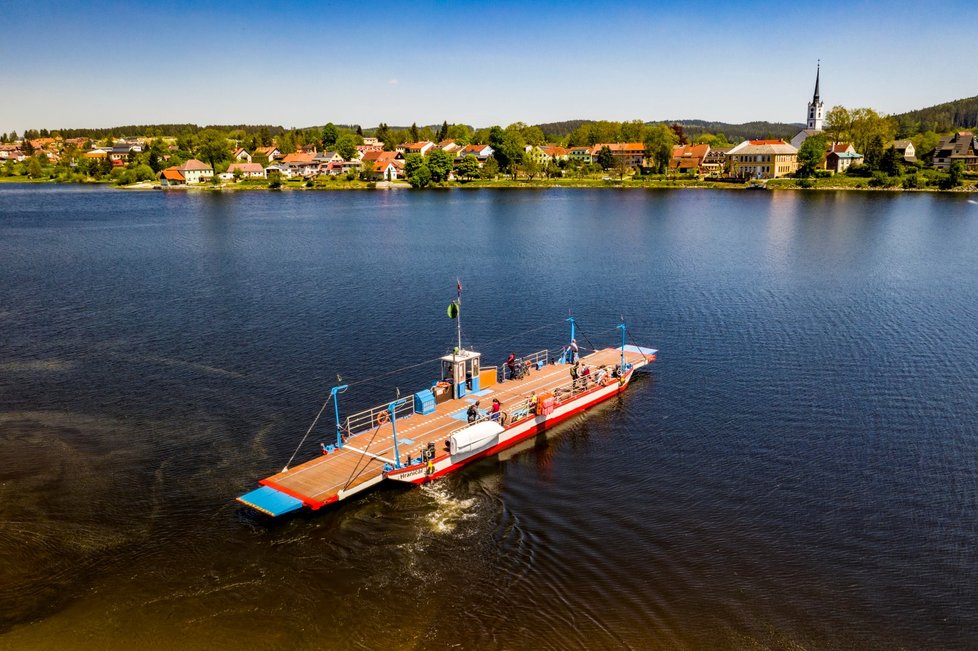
x=688 y=159
x=193 y=171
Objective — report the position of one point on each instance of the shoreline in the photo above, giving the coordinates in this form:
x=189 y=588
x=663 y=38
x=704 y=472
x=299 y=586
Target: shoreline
x=776 y=185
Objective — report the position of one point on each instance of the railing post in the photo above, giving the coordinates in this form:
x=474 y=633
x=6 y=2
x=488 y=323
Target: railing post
x=621 y=326
x=397 y=454
x=572 y=337
x=336 y=412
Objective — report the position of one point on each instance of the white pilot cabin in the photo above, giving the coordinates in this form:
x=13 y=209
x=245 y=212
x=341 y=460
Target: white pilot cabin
x=459 y=375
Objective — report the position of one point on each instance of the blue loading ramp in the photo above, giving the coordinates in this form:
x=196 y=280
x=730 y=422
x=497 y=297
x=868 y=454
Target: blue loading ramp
x=270 y=501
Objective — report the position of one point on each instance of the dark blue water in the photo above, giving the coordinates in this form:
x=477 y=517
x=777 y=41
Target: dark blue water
x=799 y=469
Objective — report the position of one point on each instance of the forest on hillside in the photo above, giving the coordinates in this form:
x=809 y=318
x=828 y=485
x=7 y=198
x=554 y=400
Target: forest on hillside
x=557 y=131
x=961 y=113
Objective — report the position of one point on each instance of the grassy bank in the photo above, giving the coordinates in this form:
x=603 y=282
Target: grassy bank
x=833 y=183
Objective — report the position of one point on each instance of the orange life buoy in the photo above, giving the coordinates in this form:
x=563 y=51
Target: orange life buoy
x=382 y=418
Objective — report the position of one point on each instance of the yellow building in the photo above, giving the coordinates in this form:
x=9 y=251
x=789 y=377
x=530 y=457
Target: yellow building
x=762 y=159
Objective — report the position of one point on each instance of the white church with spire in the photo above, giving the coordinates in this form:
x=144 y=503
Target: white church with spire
x=816 y=114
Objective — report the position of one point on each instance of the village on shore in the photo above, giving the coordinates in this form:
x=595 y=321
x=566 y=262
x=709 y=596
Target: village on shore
x=823 y=154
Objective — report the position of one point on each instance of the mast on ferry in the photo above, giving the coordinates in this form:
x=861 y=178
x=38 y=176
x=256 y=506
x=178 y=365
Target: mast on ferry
x=458 y=312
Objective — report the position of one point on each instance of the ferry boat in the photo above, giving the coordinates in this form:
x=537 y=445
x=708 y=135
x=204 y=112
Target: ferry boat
x=422 y=437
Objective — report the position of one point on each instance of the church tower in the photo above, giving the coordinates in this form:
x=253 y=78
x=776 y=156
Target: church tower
x=816 y=108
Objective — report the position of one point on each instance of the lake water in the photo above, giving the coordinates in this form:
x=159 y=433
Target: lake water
x=798 y=470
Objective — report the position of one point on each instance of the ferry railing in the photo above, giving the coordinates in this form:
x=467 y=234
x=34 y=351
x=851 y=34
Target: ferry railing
x=369 y=419
x=561 y=355
x=526 y=407
x=584 y=383
x=534 y=360
x=518 y=411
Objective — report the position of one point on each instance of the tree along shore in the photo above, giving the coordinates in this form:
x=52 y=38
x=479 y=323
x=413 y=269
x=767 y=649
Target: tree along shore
x=836 y=183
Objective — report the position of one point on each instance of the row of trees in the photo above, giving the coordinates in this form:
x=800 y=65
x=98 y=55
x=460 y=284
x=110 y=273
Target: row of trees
x=435 y=168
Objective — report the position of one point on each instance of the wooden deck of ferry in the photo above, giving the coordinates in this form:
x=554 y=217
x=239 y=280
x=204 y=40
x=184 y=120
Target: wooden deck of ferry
x=361 y=460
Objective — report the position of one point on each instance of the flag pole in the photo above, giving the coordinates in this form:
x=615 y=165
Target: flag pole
x=458 y=320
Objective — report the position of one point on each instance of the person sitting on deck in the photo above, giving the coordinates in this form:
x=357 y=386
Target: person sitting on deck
x=495 y=411
x=601 y=375
x=473 y=413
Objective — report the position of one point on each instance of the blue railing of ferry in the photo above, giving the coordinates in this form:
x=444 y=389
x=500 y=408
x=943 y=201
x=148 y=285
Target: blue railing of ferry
x=369 y=419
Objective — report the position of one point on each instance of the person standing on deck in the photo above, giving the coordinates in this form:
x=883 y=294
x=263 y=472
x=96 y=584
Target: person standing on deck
x=575 y=352
x=511 y=364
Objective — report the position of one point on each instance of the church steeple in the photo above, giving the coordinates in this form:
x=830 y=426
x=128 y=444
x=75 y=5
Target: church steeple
x=818 y=71
x=816 y=108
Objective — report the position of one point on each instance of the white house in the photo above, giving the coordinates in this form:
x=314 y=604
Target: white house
x=328 y=157
x=385 y=170
x=271 y=153
x=280 y=168
x=841 y=156
x=449 y=147
x=351 y=165
x=423 y=148
x=482 y=152
x=193 y=171
x=247 y=170
x=582 y=154
x=905 y=149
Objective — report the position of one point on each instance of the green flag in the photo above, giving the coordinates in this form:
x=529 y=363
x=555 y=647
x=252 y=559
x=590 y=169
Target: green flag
x=453 y=310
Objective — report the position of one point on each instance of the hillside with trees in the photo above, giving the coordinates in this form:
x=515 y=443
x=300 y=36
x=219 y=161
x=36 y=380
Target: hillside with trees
x=152 y=131
x=558 y=131
x=961 y=113
x=736 y=132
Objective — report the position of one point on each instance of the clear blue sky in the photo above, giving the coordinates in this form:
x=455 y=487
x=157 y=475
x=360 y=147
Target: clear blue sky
x=103 y=63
